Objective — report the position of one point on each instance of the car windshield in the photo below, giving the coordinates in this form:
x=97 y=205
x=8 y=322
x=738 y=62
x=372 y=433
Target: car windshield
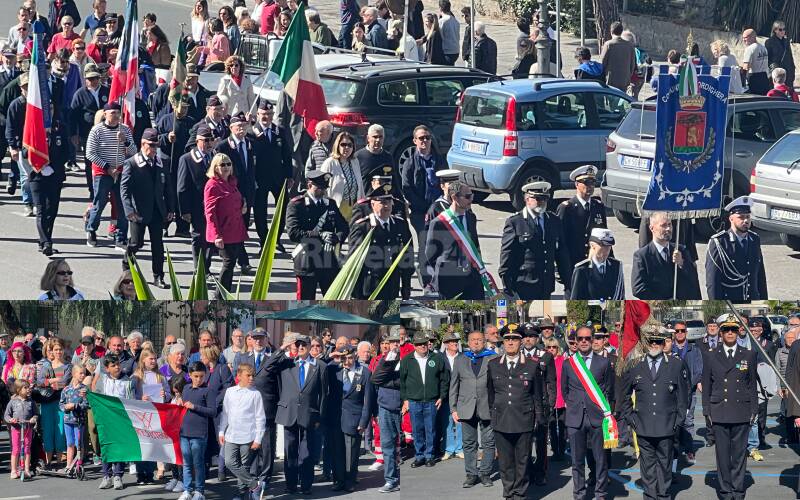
x=638 y=124
x=784 y=152
x=484 y=109
x=341 y=92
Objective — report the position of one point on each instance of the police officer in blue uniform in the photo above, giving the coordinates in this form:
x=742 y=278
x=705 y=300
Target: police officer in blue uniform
x=533 y=245
x=314 y=222
x=660 y=384
x=599 y=276
x=581 y=213
x=730 y=401
x=363 y=207
x=734 y=263
x=546 y=371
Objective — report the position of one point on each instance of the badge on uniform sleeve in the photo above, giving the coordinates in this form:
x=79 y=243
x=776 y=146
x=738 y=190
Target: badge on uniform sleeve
x=432 y=363
x=139 y=114
x=358 y=387
x=104 y=98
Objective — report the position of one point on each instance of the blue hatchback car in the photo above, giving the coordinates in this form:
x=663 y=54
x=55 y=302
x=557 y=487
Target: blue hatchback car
x=509 y=133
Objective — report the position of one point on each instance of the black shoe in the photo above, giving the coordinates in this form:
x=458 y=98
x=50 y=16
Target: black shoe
x=486 y=480
x=430 y=463
x=337 y=487
x=349 y=488
x=166 y=233
x=326 y=478
x=221 y=476
x=91 y=239
x=160 y=283
x=540 y=481
x=11 y=188
x=247 y=269
x=182 y=234
x=280 y=247
x=470 y=482
x=709 y=444
x=418 y=463
x=47 y=249
x=306 y=492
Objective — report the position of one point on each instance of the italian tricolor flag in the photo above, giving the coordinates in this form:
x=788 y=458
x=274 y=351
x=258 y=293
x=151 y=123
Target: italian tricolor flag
x=137 y=431
x=295 y=71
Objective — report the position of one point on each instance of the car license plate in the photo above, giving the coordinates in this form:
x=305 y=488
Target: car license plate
x=635 y=162
x=781 y=214
x=473 y=147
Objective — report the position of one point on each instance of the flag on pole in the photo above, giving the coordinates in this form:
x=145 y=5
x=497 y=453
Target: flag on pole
x=125 y=77
x=295 y=72
x=176 y=85
x=636 y=314
x=137 y=431
x=34 y=135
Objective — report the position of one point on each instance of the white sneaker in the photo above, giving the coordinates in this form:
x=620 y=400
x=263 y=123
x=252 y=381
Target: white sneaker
x=447 y=456
x=185 y=496
x=132 y=469
x=117 y=483
x=375 y=466
x=171 y=484
x=178 y=487
x=198 y=496
x=105 y=483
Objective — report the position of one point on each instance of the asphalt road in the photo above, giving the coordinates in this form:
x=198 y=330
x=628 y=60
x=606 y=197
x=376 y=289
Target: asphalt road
x=774 y=478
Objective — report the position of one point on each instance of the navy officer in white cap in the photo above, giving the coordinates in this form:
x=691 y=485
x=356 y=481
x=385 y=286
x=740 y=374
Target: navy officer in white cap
x=581 y=213
x=533 y=245
x=734 y=263
x=599 y=276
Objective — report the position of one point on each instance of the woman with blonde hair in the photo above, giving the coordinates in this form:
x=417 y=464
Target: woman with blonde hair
x=224 y=206
x=346 y=185
x=53 y=373
x=722 y=52
x=57 y=282
x=149 y=385
x=235 y=89
x=199 y=17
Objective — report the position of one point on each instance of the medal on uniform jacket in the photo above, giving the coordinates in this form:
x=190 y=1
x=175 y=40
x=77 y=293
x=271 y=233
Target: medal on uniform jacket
x=358 y=387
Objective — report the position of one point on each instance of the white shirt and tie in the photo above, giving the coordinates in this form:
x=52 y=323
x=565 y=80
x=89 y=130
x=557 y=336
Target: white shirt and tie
x=601 y=266
x=512 y=362
x=730 y=352
x=663 y=251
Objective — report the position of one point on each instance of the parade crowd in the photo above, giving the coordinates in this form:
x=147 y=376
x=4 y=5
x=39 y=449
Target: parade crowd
x=495 y=399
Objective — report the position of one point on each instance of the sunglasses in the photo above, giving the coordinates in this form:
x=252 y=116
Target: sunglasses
x=730 y=329
x=553 y=347
x=64 y=273
x=424 y=138
x=66 y=24
x=226 y=164
x=300 y=343
x=680 y=330
x=582 y=339
x=171 y=343
x=467 y=196
x=345 y=145
x=80 y=48
x=588 y=182
x=126 y=282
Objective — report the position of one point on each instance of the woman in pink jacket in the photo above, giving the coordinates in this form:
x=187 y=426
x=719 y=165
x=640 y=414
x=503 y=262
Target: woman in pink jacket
x=224 y=207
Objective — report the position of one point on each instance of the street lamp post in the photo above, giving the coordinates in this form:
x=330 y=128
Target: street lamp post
x=543 y=42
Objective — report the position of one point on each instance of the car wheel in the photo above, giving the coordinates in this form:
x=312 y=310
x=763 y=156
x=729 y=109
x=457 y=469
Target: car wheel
x=792 y=241
x=531 y=174
x=403 y=152
x=627 y=219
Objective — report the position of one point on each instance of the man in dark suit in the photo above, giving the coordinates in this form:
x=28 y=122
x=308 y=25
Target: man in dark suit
x=454 y=273
x=730 y=401
x=600 y=276
x=273 y=153
x=303 y=383
x=173 y=135
x=390 y=235
x=584 y=419
x=85 y=104
x=533 y=245
x=734 y=263
x=314 y=222
x=8 y=72
x=653 y=276
x=546 y=371
x=660 y=384
x=191 y=183
x=265 y=382
x=198 y=96
x=242 y=154
x=516 y=402
x=147 y=201
x=581 y=213
x=420 y=186
x=469 y=405
x=215 y=120
x=349 y=403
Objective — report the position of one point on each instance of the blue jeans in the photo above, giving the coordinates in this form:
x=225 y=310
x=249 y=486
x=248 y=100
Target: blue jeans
x=423 y=425
x=194 y=463
x=103 y=185
x=453 y=443
x=752 y=437
x=27 y=197
x=389 y=423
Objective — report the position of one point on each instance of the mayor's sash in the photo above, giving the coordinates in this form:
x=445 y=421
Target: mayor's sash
x=464 y=242
x=610 y=429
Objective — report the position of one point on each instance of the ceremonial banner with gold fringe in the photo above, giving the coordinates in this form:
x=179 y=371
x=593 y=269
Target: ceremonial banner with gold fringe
x=691 y=114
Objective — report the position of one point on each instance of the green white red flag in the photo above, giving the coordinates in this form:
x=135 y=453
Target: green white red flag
x=176 y=85
x=295 y=72
x=34 y=135
x=137 y=431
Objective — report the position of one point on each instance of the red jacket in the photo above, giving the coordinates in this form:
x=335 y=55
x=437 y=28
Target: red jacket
x=223 y=209
x=269 y=16
x=783 y=91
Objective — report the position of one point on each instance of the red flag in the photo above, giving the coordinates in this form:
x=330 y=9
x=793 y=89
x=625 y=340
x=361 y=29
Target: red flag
x=636 y=313
x=125 y=76
x=34 y=135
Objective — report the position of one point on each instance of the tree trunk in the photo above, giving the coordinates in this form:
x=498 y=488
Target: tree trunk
x=9 y=320
x=605 y=13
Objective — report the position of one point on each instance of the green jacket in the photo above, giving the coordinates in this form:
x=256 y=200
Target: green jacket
x=437 y=378
x=322 y=35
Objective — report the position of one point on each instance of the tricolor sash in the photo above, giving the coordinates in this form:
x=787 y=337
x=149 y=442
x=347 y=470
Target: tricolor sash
x=462 y=238
x=610 y=429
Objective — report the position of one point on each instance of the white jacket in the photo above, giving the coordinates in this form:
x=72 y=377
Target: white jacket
x=236 y=99
x=337 y=185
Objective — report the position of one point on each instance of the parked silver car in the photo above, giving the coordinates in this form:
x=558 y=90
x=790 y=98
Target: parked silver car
x=754 y=124
x=695 y=329
x=776 y=190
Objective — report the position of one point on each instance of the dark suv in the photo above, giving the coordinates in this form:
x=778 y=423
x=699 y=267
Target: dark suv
x=398 y=95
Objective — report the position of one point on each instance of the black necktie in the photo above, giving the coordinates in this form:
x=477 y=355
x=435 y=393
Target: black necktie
x=511 y=366
x=653 y=367
x=730 y=353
